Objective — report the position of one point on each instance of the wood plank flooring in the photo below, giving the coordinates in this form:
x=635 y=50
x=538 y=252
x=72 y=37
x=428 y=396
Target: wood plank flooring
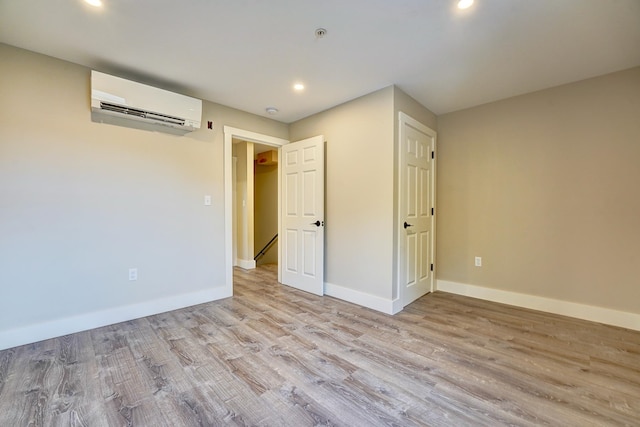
x=274 y=356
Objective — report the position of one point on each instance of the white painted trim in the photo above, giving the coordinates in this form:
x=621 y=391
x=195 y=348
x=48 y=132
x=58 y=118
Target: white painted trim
x=245 y=135
x=234 y=201
x=259 y=138
x=247 y=264
x=228 y=210
x=69 y=325
x=565 y=308
x=280 y=258
x=403 y=119
x=361 y=298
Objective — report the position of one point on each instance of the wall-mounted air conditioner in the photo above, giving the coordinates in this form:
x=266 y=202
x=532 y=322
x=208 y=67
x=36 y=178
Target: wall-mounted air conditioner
x=118 y=101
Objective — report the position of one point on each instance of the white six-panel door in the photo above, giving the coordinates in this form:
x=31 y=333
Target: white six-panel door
x=416 y=213
x=301 y=239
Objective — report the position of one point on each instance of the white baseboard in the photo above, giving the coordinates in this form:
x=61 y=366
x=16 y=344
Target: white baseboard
x=247 y=264
x=361 y=298
x=69 y=325
x=580 y=311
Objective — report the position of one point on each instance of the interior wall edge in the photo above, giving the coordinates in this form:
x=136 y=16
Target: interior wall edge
x=96 y=319
x=604 y=315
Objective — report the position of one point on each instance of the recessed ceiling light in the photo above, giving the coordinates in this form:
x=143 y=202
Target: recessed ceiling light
x=95 y=3
x=298 y=87
x=465 y=4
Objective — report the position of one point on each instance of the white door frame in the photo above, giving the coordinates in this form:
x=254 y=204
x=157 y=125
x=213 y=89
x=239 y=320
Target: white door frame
x=402 y=119
x=245 y=135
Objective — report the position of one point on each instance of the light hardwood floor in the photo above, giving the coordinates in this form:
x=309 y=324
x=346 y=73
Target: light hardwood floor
x=274 y=356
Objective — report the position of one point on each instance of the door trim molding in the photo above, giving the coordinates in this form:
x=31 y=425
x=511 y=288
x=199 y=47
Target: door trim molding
x=403 y=119
x=245 y=135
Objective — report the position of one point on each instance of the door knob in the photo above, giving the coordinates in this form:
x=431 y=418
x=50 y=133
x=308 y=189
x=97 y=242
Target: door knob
x=317 y=223
x=406 y=225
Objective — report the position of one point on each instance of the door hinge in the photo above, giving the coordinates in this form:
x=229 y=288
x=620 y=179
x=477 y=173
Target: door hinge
x=431 y=267
x=432 y=212
x=433 y=154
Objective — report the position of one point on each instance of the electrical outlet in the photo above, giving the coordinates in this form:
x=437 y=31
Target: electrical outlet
x=207 y=200
x=133 y=274
x=478 y=261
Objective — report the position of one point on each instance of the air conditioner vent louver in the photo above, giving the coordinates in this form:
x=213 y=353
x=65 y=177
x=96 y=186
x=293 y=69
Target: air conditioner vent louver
x=126 y=103
x=141 y=113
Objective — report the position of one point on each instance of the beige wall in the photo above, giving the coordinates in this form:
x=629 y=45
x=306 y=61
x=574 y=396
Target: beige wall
x=266 y=211
x=82 y=202
x=359 y=190
x=361 y=185
x=408 y=105
x=545 y=187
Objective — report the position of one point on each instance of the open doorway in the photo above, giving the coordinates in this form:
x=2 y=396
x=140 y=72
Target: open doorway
x=302 y=253
x=255 y=204
x=232 y=199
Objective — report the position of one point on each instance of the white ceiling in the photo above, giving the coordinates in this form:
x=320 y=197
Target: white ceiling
x=247 y=53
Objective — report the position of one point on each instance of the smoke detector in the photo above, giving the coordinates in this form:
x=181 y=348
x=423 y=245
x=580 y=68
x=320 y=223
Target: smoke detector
x=271 y=111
